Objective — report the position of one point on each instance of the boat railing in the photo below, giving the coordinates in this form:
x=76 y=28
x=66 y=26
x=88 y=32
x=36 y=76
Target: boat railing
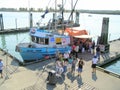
x=23 y=44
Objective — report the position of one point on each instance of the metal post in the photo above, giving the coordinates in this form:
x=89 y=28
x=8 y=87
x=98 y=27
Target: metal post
x=31 y=21
x=1 y=22
x=16 y=23
x=6 y=77
x=30 y=15
x=77 y=18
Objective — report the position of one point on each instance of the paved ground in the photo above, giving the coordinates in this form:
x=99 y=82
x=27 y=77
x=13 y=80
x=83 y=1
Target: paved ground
x=32 y=77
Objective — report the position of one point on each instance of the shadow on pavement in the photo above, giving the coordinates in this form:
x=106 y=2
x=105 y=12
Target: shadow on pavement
x=94 y=76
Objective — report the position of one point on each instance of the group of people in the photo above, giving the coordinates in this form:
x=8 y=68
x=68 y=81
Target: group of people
x=68 y=62
x=86 y=46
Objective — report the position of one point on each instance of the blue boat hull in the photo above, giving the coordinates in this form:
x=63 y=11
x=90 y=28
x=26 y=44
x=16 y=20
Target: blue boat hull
x=34 y=54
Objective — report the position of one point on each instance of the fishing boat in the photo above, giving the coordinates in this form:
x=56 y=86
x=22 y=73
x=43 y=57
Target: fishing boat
x=45 y=43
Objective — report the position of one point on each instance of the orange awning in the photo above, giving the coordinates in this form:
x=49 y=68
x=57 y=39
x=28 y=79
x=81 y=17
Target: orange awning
x=75 y=31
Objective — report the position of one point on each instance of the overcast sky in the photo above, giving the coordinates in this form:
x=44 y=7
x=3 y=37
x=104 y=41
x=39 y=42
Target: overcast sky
x=82 y=4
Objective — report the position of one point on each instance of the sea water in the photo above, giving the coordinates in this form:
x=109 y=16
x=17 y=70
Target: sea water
x=113 y=66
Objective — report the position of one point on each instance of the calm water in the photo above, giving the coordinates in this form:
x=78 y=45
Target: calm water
x=93 y=24
x=9 y=41
x=114 y=66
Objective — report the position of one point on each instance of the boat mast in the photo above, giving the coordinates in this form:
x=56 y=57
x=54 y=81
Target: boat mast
x=62 y=15
x=55 y=14
x=71 y=9
x=63 y=25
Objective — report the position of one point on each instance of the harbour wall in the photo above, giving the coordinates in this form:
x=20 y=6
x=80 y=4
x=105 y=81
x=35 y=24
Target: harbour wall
x=25 y=29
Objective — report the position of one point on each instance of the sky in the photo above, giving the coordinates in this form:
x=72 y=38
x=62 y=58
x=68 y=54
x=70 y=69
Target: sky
x=82 y=4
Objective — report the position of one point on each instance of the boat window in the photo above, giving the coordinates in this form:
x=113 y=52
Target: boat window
x=41 y=40
x=33 y=38
x=46 y=41
x=37 y=40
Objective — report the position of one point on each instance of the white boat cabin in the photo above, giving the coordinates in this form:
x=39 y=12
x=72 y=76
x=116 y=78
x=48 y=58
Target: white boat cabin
x=42 y=37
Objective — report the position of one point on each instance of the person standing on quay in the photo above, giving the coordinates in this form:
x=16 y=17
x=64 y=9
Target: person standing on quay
x=93 y=47
x=1 y=68
x=76 y=50
x=73 y=65
x=80 y=66
x=98 y=52
x=94 y=62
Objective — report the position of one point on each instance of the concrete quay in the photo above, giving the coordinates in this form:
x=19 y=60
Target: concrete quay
x=25 y=29
x=32 y=77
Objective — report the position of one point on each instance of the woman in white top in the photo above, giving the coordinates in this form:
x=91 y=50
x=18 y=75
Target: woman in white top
x=94 y=62
x=59 y=66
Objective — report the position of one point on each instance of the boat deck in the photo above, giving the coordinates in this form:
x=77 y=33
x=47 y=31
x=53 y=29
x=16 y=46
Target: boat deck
x=32 y=77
